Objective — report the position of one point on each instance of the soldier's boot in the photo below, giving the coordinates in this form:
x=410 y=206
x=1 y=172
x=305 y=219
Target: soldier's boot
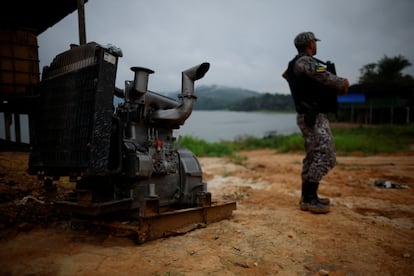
x=309 y=200
x=322 y=200
x=305 y=192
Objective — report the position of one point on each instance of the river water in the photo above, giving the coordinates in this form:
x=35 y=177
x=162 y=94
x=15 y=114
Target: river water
x=212 y=126
x=215 y=126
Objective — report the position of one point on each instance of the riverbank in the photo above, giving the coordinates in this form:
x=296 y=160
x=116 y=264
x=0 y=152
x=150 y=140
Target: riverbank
x=350 y=139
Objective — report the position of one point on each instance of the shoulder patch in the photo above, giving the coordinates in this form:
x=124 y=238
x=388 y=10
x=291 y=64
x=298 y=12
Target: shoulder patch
x=320 y=69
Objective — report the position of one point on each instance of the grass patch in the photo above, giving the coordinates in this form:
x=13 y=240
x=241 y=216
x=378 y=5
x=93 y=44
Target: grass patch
x=281 y=143
x=380 y=139
x=369 y=140
x=202 y=148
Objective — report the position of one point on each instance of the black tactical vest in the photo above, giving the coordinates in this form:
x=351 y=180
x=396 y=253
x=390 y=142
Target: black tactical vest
x=309 y=95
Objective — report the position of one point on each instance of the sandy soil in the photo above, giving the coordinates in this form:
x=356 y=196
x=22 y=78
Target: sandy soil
x=369 y=231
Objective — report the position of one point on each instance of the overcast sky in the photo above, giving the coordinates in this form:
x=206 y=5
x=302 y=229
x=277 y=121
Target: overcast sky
x=247 y=42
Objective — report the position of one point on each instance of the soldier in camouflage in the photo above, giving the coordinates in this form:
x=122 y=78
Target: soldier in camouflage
x=314 y=91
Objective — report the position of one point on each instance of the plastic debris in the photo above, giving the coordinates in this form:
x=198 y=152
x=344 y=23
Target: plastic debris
x=389 y=185
x=26 y=198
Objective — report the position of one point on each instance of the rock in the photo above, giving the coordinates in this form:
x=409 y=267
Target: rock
x=323 y=272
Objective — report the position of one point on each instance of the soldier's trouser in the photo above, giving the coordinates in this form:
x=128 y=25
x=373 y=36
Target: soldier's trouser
x=320 y=148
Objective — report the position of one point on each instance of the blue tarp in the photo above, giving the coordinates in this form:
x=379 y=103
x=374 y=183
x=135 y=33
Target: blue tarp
x=352 y=98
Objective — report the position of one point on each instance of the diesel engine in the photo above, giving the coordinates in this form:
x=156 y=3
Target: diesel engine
x=122 y=157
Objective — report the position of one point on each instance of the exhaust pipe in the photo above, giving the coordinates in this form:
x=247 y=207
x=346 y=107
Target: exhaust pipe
x=140 y=85
x=178 y=115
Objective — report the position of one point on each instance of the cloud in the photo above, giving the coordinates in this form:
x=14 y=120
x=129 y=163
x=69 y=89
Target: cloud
x=247 y=42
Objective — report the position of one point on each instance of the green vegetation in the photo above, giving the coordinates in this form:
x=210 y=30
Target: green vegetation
x=368 y=140
x=387 y=70
x=372 y=140
x=277 y=102
x=281 y=143
x=202 y=148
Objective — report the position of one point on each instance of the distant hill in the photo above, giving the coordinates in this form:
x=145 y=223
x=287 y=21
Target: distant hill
x=275 y=102
x=217 y=97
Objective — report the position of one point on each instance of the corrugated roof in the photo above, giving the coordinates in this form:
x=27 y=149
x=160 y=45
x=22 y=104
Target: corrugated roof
x=38 y=15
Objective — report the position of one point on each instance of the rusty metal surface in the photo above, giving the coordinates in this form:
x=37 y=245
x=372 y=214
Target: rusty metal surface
x=166 y=224
x=88 y=208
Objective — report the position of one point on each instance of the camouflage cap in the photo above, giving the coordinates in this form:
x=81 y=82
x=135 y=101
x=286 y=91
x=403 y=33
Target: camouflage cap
x=304 y=38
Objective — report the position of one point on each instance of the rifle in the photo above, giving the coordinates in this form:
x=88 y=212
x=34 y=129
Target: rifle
x=330 y=66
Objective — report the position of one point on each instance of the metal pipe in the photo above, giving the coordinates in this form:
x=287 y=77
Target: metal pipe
x=152 y=190
x=81 y=22
x=178 y=115
x=141 y=76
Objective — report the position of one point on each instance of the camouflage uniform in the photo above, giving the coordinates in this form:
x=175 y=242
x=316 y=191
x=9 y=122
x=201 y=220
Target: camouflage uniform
x=307 y=65
x=320 y=148
x=314 y=91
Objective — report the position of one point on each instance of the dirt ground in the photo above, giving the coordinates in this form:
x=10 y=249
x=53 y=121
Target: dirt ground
x=369 y=231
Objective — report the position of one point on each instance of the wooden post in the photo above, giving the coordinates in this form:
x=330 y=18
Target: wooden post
x=7 y=124
x=370 y=113
x=17 y=128
x=81 y=22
